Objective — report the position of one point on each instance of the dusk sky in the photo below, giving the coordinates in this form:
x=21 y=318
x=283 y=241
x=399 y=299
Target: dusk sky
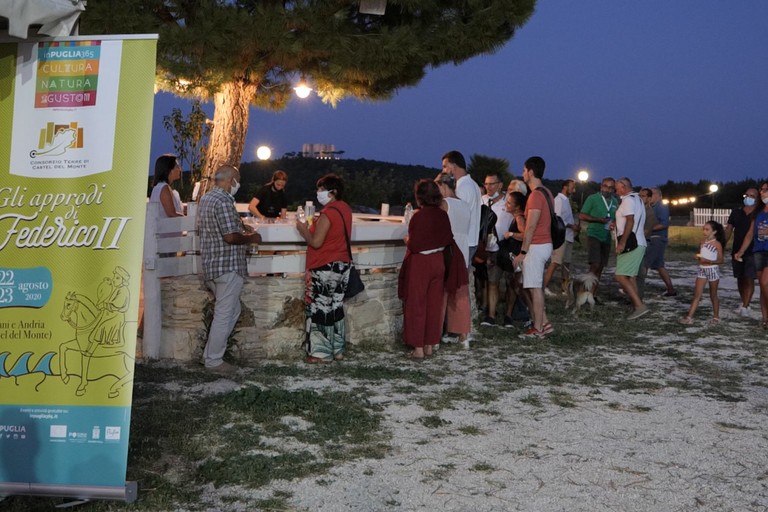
x=655 y=90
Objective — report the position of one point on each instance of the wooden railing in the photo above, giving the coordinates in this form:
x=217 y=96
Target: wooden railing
x=171 y=248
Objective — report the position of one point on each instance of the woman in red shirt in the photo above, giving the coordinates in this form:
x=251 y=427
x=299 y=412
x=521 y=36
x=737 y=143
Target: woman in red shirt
x=327 y=272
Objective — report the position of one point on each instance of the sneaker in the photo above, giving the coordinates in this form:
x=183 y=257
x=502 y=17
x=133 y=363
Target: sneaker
x=638 y=313
x=223 y=368
x=449 y=338
x=528 y=324
x=673 y=293
x=466 y=342
x=508 y=322
x=547 y=328
x=549 y=293
x=745 y=312
x=532 y=333
x=488 y=321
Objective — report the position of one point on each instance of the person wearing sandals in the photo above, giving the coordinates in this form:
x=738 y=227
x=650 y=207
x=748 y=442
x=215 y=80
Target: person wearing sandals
x=757 y=235
x=433 y=264
x=710 y=256
x=327 y=272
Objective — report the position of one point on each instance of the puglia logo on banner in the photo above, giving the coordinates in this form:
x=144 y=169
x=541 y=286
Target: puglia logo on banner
x=67 y=74
x=56 y=139
x=63 y=90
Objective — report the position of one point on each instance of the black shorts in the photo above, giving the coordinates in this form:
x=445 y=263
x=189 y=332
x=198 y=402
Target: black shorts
x=745 y=268
x=598 y=251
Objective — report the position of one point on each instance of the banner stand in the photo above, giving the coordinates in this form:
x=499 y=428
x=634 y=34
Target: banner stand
x=129 y=493
x=75 y=128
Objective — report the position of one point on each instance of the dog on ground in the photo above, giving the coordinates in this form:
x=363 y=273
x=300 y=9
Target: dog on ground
x=581 y=290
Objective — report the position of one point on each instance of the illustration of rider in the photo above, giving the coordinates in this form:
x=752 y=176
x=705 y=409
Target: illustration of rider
x=113 y=299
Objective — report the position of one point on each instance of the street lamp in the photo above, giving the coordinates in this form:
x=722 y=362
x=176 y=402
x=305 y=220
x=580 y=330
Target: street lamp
x=583 y=176
x=712 y=189
x=302 y=88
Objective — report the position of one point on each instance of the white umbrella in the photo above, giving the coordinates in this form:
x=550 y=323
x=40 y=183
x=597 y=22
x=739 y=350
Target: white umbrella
x=57 y=17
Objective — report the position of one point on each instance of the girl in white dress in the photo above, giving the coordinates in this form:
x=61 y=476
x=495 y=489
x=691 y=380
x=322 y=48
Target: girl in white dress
x=710 y=256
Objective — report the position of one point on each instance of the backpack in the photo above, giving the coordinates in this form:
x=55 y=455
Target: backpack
x=508 y=249
x=557 y=227
x=487 y=225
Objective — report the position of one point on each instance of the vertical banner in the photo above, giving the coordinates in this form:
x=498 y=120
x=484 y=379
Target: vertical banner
x=75 y=128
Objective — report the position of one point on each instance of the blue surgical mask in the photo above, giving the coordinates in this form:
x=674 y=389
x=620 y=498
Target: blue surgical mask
x=323 y=197
x=749 y=201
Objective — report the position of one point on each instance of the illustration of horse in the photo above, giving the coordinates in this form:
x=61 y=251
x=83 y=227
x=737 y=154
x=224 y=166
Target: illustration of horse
x=86 y=357
x=21 y=367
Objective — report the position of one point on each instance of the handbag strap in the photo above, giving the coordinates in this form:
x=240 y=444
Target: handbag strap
x=346 y=235
x=549 y=203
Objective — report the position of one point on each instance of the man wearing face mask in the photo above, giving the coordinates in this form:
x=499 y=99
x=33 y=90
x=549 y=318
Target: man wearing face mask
x=744 y=271
x=223 y=241
x=657 y=245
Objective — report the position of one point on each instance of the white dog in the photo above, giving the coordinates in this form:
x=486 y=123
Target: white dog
x=581 y=290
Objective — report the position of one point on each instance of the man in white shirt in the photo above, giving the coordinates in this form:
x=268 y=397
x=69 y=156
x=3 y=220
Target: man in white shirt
x=630 y=218
x=468 y=191
x=562 y=255
x=495 y=199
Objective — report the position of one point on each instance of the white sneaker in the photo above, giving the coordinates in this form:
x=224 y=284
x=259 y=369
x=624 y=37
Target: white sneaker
x=549 y=293
x=449 y=338
x=466 y=342
x=745 y=312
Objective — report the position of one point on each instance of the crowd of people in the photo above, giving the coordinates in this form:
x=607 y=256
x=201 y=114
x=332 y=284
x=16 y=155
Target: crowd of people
x=464 y=236
x=513 y=229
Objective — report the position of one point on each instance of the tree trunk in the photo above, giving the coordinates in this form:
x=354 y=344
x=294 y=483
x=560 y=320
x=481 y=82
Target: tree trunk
x=230 y=125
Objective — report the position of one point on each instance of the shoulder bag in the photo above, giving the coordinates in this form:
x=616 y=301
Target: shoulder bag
x=355 y=283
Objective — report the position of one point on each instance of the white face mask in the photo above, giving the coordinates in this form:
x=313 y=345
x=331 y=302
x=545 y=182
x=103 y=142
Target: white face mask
x=494 y=195
x=749 y=201
x=323 y=197
x=234 y=188
x=764 y=200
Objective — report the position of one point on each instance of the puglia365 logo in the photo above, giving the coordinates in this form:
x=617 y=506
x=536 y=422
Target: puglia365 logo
x=57 y=139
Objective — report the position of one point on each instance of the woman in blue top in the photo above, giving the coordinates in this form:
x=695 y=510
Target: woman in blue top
x=758 y=235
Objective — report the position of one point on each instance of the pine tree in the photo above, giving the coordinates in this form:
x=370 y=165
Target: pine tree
x=239 y=53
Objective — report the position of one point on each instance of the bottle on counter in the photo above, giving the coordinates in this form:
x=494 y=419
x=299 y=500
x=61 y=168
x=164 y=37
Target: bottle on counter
x=309 y=209
x=408 y=213
x=300 y=214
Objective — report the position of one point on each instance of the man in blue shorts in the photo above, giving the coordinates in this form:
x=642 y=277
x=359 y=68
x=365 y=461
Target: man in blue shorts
x=657 y=245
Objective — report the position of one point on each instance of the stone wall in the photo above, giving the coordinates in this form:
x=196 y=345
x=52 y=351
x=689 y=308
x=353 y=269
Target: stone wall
x=272 y=319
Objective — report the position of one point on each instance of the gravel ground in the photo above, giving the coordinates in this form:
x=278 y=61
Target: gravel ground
x=689 y=434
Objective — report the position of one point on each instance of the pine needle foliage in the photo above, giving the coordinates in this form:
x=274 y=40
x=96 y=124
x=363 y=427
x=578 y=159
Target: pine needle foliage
x=209 y=48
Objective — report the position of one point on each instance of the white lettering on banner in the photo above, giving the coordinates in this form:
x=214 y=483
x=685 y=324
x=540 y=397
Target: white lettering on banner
x=61 y=233
x=92 y=196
